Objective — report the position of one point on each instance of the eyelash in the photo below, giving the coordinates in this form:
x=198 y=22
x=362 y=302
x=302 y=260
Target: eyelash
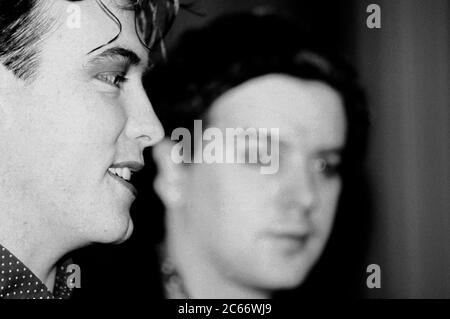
x=113 y=79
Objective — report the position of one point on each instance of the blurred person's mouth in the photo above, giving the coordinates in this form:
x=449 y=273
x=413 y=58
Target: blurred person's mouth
x=123 y=172
x=295 y=237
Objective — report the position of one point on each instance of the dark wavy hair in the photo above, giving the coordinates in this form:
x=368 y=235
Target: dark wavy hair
x=235 y=48
x=209 y=61
x=23 y=23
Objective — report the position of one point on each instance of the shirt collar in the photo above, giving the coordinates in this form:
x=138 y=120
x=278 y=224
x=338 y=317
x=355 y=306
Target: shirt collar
x=17 y=281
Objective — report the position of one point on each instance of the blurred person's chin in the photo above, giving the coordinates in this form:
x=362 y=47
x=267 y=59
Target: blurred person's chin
x=289 y=275
x=275 y=279
x=282 y=270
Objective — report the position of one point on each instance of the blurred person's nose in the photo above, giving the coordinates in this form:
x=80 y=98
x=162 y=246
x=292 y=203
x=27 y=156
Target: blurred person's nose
x=298 y=187
x=143 y=124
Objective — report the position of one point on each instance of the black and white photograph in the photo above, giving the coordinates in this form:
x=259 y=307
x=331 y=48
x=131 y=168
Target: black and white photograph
x=224 y=157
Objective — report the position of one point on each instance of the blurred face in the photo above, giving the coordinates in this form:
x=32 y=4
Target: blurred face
x=77 y=132
x=267 y=231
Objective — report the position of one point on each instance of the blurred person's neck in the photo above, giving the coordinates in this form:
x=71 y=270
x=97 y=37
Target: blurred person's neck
x=200 y=278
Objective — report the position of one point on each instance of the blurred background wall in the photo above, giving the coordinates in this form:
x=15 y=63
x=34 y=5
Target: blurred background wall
x=405 y=67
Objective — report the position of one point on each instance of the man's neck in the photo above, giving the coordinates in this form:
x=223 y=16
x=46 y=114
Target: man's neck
x=35 y=247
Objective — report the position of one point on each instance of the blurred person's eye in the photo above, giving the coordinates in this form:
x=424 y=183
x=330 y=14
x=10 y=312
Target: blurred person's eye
x=329 y=168
x=115 y=79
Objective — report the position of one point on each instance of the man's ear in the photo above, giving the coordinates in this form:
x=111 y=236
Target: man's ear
x=170 y=177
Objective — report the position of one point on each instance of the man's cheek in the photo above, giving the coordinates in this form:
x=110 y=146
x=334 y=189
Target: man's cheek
x=108 y=121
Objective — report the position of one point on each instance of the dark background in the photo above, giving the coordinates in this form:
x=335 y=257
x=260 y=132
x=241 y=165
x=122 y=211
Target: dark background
x=397 y=216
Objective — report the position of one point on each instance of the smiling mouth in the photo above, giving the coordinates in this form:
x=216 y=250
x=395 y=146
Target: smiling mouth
x=123 y=176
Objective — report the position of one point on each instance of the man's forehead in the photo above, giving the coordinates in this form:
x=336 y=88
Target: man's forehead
x=108 y=28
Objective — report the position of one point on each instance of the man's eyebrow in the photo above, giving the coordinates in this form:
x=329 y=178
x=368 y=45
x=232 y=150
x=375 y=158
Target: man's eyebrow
x=116 y=54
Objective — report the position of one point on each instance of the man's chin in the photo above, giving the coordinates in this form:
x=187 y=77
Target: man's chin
x=117 y=234
x=126 y=234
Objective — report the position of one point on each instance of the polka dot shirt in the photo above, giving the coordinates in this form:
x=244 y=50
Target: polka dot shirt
x=19 y=282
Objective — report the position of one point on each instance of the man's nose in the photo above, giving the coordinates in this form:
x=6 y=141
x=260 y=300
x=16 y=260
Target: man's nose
x=143 y=124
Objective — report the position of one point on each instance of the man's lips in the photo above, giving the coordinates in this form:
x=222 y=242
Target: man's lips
x=132 y=165
x=128 y=185
x=122 y=172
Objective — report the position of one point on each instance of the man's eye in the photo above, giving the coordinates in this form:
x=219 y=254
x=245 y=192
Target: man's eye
x=114 y=79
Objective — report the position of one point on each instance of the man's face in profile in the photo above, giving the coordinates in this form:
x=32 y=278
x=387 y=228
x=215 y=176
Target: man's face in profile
x=81 y=115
